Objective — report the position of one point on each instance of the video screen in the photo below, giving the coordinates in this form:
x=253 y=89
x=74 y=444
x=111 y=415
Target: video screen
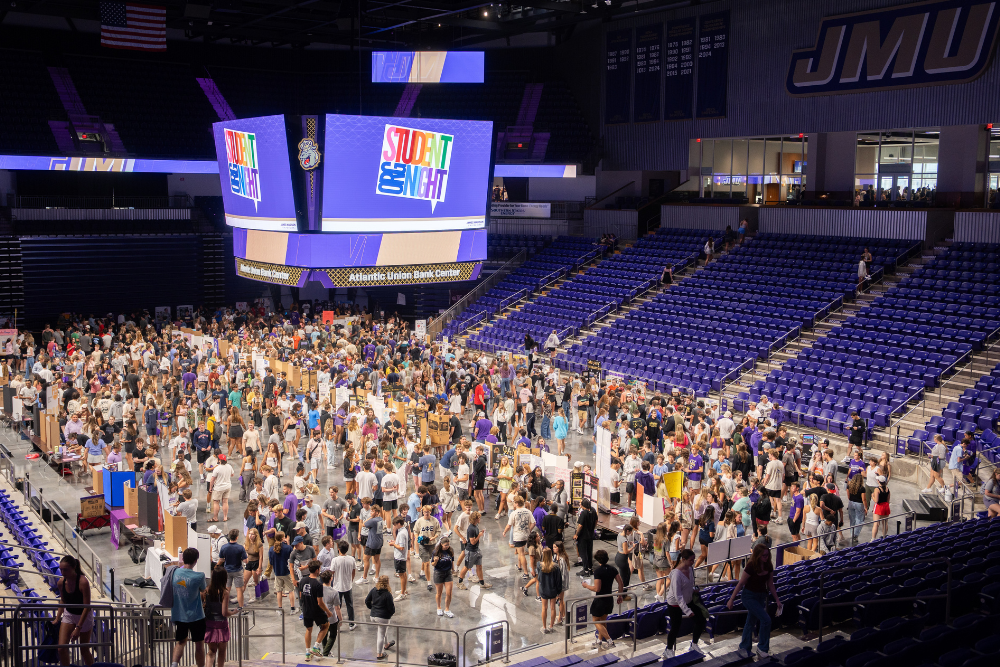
x=405 y=174
x=428 y=66
x=255 y=173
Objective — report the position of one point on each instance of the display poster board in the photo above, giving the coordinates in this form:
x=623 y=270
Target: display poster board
x=674 y=481
x=603 y=469
x=498 y=450
x=438 y=426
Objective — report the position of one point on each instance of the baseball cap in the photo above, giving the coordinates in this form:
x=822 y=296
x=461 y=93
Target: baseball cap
x=214 y=530
x=308 y=496
x=297 y=540
x=831 y=486
x=222 y=457
x=299 y=525
x=880 y=478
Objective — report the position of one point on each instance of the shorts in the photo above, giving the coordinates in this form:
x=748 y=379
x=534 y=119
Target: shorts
x=390 y=504
x=790 y=479
x=74 y=619
x=463 y=494
x=319 y=621
x=150 y=430
x=426 y=552
x=519 y=544
x=95 y=459
x=234 y=578
x=935 y=464
x=251 y=566
x=809 y=530
x=400 y=566
x=480 y=485
x=221 y=494
x=773 y=494
x=181 y=629
x=794 y=526
x=352 y=537
x=283 y=584
x=692 y=484
x=473 y=558
x=373 y=552
x=202 y=455
x=442 y=576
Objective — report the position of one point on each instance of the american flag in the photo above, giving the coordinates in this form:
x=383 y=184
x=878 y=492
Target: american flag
x=129 y=26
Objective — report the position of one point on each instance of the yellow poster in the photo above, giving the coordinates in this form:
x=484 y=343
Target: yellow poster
x=674 y=482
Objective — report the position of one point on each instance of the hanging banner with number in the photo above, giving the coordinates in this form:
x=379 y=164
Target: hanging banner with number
x=713 y=65
x=648 y=49
x=617 y=76
x=678 y=68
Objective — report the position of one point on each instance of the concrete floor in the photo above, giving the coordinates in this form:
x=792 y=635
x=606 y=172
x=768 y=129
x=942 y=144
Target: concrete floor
x=472 y=608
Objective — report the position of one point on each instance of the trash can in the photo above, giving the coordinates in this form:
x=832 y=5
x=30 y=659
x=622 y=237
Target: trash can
x=442 y=660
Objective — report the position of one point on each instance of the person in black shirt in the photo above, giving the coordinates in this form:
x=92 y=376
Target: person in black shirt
x=585 y=523
x=455 y=427
x=269 y=382
x=653 y=432
x=552 y=526
x=832 y=505
x=817 y=489
x=314 y=609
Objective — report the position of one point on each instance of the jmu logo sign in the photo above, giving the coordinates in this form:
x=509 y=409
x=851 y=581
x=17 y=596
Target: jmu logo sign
x=923 y=44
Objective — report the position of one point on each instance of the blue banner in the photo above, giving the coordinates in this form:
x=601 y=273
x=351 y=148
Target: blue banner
x=618 y=76
x=678 y=67
x=648 y=73
x=713 y=65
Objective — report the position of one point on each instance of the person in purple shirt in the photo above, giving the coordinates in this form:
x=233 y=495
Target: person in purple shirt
x=795 y=513
x=115 y=455
x=645 y=479
x=188 y=379
x=539 y=513
x=755 y=439
x=696 y=467
x=483 y=427
x=855 y=465
x=291 y=503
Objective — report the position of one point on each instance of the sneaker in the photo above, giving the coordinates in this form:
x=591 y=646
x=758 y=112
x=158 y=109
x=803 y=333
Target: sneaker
x=399 y=596
x=440 y=613
x=525 y=577
x=447 y=612
x=762 y=653
x=351 y=626
x=545 y=630
x=524 y=591
x=693 y=645
x=411 y=579
x=362 y=581
x=371 y=572
x=743 y=653
x=598 y=644
x=927 y=490
x=316 y=650
x=358 y=567
x=667 y=654
x=486 y=585
x=647 y=587
x=309 y=656
x=609 y=644
x=430 y=587
x=461 y=586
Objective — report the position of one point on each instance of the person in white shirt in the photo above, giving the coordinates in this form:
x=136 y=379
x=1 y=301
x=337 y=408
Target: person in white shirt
x=342 y=567
x=727 y=427
x=222 y=483
x=390 y=493
x=754 y=414
x=366 y=481
x=522 y=522
x=462 y=477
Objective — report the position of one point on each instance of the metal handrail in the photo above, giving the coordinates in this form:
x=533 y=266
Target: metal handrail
x=488 y=656
x=571 y=625
x=611 y=194
x=946 y=596
x=397 y=627
x=435 y=327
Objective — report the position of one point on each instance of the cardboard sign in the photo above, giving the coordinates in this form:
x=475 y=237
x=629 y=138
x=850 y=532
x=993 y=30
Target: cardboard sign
x=329 y=316
x=92 y=506
x=438 y=426
x=674 y=482
x=498 y=450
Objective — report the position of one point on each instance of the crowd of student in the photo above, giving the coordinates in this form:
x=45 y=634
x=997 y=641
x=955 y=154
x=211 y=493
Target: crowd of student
x=199 y=420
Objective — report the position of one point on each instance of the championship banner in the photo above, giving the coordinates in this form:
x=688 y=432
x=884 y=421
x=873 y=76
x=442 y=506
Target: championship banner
x=678 y=69
x=648 y=45
x=617 y=76
x=713 y=65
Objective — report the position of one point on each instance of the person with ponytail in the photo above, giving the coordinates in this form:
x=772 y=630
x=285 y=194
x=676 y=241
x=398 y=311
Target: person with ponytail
x=75 y=617
x=755 y=583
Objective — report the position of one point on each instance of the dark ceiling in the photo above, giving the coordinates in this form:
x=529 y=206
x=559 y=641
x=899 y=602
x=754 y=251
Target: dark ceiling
x=441 y=24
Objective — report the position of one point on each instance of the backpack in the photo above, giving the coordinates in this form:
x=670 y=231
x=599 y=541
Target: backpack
x=167 y=588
